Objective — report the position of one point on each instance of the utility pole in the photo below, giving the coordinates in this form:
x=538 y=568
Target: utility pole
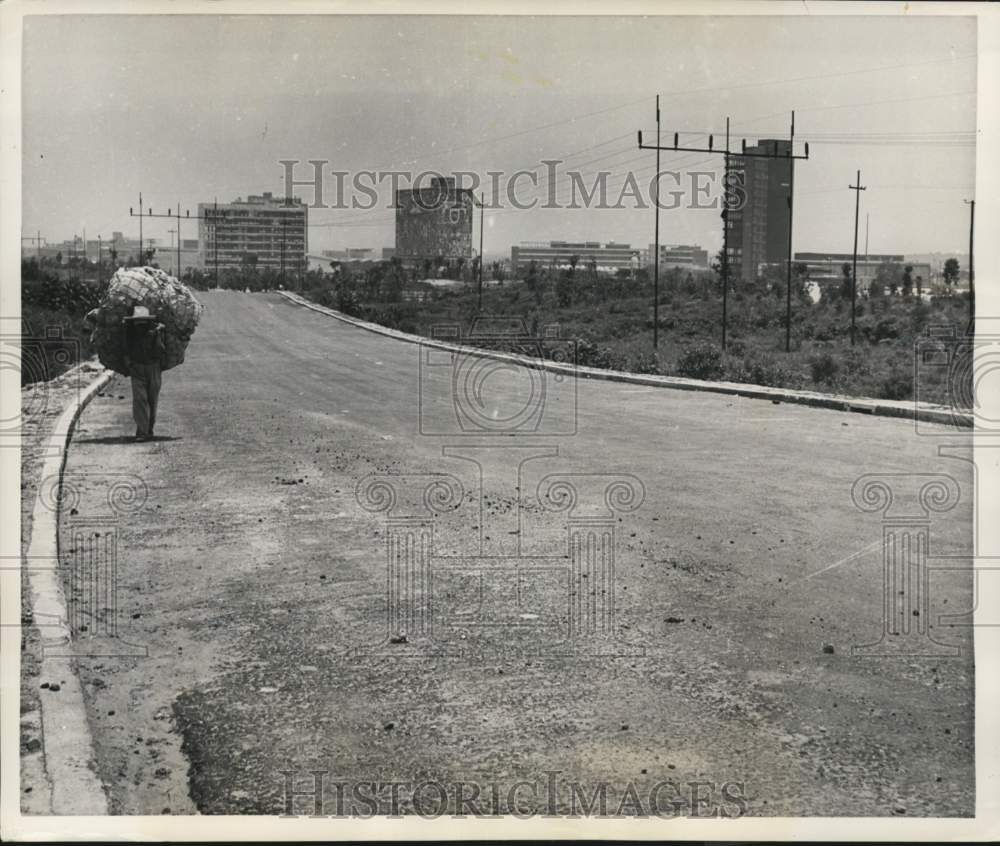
x=482 y=220
x=142 y=246
x=857 y=189
x=972 y=273
x=215 y=237
x=171 y=233
x=100 y=246
x=656 y=235
x=284 y=224
x=214 y=218
x=37 y=238
x=788 y=268
x=725 y=237
x=791 y=156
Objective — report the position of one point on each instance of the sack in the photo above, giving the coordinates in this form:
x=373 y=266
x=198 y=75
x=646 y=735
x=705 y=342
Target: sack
x=169 y=302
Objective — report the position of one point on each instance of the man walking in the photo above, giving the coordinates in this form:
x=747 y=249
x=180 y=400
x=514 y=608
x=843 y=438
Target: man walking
x=144 y=352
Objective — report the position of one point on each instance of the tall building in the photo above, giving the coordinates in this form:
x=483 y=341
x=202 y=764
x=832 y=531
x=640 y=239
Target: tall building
x=609 y=256
x=758 y=230
x=435 y=220
x=261 y=231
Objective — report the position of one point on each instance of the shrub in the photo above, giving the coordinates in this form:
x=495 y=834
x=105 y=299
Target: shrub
x=73 y=296
x=757 y=369
x=700 y=361
x=824 y=368
x=898 y=385
x=856 y=363
x=347 y=301
x=589 y=354
x=886 y=329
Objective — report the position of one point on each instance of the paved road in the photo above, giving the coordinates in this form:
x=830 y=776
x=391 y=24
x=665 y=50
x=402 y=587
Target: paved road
x=252 y=590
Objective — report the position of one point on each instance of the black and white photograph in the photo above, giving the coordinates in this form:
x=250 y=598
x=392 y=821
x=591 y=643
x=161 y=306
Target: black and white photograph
x=463 y=423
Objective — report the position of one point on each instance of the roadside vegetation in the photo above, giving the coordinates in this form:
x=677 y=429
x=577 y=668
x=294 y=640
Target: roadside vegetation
x=607 y=318
x=54 y=301
x=610 y=319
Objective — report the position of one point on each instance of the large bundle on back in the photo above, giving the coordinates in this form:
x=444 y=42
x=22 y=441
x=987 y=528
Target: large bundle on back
x=168 y=301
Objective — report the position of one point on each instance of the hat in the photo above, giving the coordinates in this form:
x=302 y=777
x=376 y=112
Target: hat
x=139 y=312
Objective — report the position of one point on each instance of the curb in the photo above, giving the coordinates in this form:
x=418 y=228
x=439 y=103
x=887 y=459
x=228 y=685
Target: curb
x=923 y=412
x=67 y=744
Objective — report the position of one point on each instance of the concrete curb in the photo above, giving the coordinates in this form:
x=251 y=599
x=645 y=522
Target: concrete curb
x=863 y=405
x=67 y=745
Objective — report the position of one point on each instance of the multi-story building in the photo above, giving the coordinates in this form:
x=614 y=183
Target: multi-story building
x=434 y=221
x=828 y=268
x=261 y=231
x=683 y=256
x=758 y=229
x=609 y=256
x=350 y=254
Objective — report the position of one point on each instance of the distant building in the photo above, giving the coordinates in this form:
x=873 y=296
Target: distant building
x=681 y=256
x=350 y=254
x=828 y=268
x=261 y=231
x=125 y=249
x=434 y=221
x=758 y=231
x=609 y=256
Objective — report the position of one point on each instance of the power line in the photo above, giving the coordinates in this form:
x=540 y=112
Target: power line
x=689 y=91
x=867 y=103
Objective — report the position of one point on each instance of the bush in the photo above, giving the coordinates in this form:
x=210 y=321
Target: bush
x=760 y=369
x=823 y=368
x=898 y=385
x=73 y=296
x=589 y=354
x=700 y=361
x=886 y=329
x=52 y=343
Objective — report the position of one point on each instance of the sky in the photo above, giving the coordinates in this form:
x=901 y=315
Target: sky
x=186 y=109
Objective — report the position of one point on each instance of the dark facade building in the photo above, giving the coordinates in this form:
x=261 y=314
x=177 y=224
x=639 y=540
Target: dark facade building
x=758 y=230
x=434 y=220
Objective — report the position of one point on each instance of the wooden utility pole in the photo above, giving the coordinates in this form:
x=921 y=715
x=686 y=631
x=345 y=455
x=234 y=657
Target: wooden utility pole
x=725 y=238
x=857 y=189
x=791 y=156
x=788 y=267
x=972 y=267
x=656 y=235
x=214 y=217
x=142 y=258
x=482 y=222
x=284 y=225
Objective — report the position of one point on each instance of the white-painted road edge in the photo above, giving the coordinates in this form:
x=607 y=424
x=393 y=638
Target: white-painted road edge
x=67 y=744
x=924 y=412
